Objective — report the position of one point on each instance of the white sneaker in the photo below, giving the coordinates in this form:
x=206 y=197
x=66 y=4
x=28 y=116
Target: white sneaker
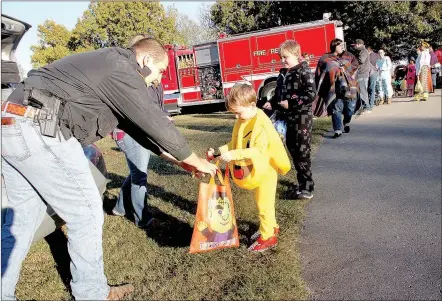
x=115 y=212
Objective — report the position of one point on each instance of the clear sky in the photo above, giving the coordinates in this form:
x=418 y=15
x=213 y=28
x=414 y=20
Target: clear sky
x=65 y=13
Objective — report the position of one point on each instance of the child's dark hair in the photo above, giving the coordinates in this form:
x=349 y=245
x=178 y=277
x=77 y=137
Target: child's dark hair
x=335 y=43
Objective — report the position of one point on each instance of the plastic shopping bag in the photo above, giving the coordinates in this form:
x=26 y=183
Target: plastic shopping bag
x=280 y=124
x=418 y=88
x=215 y=224
x=404 y=85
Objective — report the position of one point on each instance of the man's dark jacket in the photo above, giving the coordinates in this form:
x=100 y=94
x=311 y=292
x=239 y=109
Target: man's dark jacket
x=104 y=89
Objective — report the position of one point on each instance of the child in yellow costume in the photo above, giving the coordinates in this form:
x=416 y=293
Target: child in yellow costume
x=256 y=155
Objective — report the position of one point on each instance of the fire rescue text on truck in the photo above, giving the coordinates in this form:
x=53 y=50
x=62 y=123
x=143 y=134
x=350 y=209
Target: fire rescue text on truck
x=205 y=73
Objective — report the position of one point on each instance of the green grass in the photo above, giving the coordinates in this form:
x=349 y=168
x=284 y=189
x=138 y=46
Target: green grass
x=158 y=262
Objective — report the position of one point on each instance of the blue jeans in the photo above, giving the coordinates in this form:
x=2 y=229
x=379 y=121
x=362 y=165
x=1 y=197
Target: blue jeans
x=385 y=85
x=37 y=170
x=338 y=108
x=363 y=91
x=372 y=81
x=135 y=186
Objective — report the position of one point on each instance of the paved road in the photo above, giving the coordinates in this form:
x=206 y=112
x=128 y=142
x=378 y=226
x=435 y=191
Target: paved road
x=373 y=230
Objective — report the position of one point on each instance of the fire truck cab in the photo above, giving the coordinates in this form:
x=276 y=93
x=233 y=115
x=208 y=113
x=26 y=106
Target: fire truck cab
x=205 y=73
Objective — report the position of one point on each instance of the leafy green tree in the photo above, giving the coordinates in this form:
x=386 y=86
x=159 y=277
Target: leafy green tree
x=105 y=24
x=114 y=23
x=396 y=26
x=53 y=43
x=242 y=16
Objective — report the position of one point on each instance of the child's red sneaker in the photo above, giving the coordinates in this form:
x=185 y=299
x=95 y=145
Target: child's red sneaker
x=261 y=245
x=258 y=233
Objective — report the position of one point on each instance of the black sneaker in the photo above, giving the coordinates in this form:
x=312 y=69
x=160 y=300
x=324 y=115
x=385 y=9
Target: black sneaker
x=347 y=129
x=337 y=135
x=305 y=195
x=145 y=224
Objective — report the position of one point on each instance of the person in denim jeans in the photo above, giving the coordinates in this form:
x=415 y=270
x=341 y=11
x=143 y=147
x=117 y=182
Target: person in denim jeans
x=373 y=77
x=384 y=66
x=336 y=109
x=134 y=187
x=28 y=157
x=99 y=90
x=339 y=94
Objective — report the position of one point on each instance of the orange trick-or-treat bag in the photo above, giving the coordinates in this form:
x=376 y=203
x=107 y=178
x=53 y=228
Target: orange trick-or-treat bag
x=215 y=224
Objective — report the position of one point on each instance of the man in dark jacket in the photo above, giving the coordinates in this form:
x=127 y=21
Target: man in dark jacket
x=43 y=161
x=374 y=74
x=363 y=74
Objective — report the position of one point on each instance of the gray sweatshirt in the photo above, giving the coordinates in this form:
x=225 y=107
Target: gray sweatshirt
x=364 y=63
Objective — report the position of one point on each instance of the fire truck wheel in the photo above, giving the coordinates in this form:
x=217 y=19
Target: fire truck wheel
x=268 y=91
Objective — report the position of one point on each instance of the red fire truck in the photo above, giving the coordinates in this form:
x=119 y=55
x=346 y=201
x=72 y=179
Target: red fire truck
x=205 y=73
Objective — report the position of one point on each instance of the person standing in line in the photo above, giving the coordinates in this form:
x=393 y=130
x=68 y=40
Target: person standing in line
x=363 y=74
x=337 y=87
x=435 y=68
x=423 y=71
x=294 y=95
x=411 y=77
x=373 y=76
x=384 y=65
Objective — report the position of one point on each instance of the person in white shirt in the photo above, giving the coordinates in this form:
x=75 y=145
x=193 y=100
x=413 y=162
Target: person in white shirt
x=384 y=66
x=423 y=72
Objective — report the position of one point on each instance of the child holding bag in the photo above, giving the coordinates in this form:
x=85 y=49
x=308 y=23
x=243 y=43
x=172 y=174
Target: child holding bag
x=255 y=155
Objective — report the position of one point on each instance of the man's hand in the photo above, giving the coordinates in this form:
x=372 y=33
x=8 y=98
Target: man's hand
x=227 y=156
x=207 y=167
x=188 y=167
x=267 y=106
x=284 y=104
x=201 y=165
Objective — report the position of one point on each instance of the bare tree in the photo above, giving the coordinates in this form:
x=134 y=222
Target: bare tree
x=206 y=21
x=195 y=33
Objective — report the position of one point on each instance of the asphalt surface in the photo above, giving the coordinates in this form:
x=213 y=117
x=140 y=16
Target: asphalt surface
x=373 y=229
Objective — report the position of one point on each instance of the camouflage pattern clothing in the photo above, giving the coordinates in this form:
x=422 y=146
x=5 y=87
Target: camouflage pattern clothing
x=297 y=86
